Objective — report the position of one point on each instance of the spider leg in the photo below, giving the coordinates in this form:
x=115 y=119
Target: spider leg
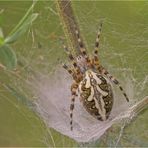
x=101 y=69
x=75 y=73
x=97 y=43
x=70 y=71
x=114 y=80
x=74 y=87
x=71 y=57
x=77 y=70
x=82 y=48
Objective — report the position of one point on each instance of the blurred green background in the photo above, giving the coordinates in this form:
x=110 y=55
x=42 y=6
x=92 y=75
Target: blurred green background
x=124 y=51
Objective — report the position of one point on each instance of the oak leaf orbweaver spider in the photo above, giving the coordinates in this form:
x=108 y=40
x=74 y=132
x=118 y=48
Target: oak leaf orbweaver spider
x=91 y=82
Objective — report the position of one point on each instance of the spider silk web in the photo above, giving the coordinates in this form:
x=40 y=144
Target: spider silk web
x=123 y=52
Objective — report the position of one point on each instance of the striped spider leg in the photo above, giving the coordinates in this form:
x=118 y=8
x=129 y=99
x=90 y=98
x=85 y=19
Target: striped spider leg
x=77 y=76
x=102 y=70
x=82 y=49
x=115 y=81
x=95 y=54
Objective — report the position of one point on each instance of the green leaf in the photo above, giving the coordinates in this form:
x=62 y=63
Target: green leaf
x=27 y=14
x=8 y=57
x=1 y=37
x=21 y=29
x=23 y=25
x=2 y=41
x=1 y=33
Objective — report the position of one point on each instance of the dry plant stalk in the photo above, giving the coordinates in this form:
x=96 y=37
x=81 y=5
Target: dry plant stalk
x=69 y=22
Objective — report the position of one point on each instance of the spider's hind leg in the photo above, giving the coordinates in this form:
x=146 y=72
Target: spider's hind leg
x=74 y=88
x=114 y=80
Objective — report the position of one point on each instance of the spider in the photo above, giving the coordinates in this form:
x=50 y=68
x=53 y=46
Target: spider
x=91 y=82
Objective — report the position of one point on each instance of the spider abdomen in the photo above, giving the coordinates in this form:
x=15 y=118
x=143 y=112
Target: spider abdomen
x=96 y=95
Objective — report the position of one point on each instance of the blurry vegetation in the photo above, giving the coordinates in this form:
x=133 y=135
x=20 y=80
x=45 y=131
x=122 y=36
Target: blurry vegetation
x=8 y=57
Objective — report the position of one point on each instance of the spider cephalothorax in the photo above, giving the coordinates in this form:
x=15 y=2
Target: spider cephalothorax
x=91 y=82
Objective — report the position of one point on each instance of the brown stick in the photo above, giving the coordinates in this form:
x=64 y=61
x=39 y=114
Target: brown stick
x=69 y=23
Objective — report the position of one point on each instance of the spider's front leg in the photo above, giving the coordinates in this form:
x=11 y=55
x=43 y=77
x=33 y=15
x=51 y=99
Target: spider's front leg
x=76 y=70
x=82 y=48
x=97 y=44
